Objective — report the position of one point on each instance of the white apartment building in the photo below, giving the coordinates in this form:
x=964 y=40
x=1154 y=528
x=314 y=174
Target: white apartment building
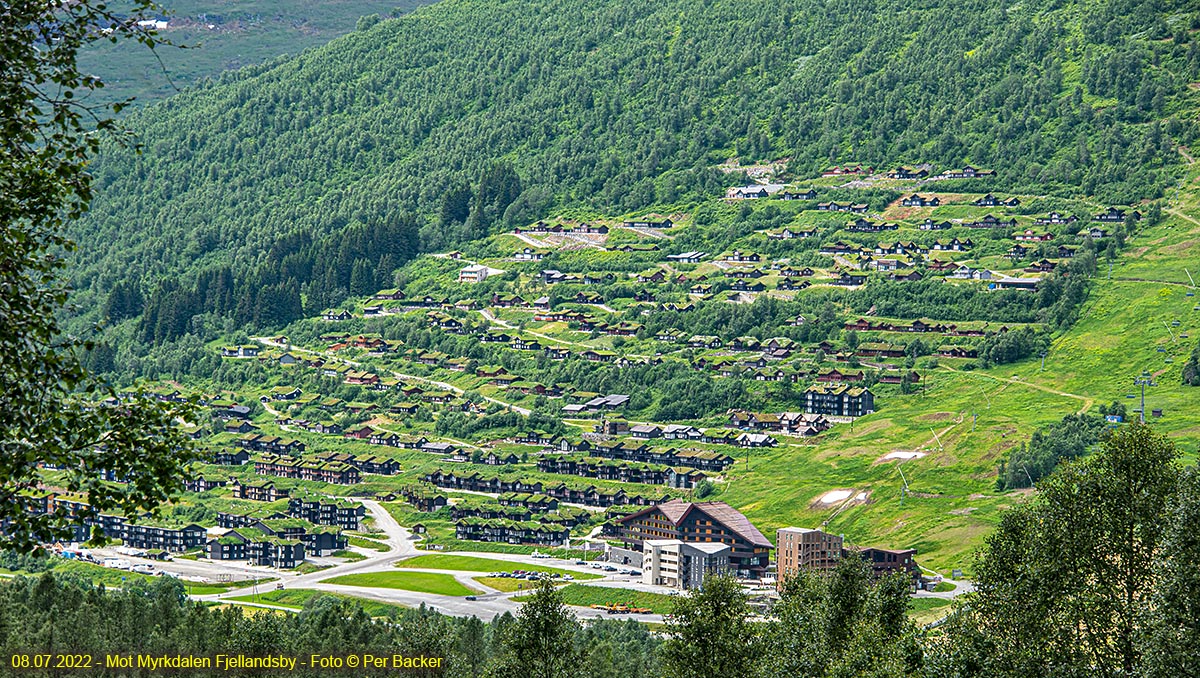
x=682 y=565
x=473 y=274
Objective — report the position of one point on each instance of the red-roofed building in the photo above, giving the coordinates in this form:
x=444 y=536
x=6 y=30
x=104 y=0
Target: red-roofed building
x=701 y=522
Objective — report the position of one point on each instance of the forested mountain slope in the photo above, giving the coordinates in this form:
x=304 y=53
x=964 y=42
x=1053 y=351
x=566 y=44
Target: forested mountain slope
x=281 y=180
x=218 y=35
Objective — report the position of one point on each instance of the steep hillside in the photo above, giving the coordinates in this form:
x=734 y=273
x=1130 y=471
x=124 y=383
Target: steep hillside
x=920 y=471
x=1145 y=318
x=469 y=113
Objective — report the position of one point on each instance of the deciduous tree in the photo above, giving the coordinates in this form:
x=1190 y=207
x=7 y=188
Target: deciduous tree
x=1063 y=586
x=541 y=642
x=710 y=634
x=54 y=414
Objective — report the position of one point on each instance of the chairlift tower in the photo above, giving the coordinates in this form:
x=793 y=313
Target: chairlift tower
x=1028 y=476
x=1144 y=380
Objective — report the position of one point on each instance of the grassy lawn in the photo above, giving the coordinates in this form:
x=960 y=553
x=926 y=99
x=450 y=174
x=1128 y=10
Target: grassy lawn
x=221 y=587
x=506 y=584
x=473 y=564
x=584 y=596
x=421 y=582
x=349 y=556
x=110 y=577
x=101 y=575
x=364 y=543
x=308 y=568
x=927 y=610
x=295 y=599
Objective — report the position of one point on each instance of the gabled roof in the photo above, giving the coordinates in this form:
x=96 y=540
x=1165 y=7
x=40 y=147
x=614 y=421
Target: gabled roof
x=676 y=510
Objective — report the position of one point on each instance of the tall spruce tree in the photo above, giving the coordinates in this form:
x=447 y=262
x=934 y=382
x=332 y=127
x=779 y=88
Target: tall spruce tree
x=1171 y=637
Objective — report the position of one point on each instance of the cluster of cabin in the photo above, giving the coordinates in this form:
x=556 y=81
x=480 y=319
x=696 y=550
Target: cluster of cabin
x=276 y=541
x=587 y=496
x=314 y=470
x=501 y=531
x=133 y=533
x=543 y=227
x=620 y=471
x=374 y=464
x=422 y=497
x=793 y=423
x=638 y=452
x=259 y=442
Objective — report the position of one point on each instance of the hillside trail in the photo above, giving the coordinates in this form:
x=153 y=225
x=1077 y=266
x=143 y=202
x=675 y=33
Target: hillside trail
x=537 y=244
x=1150 y=280
x=936 y=441
x=399 y=375
x=1181 y=215
x=491 y=317
x=1087 y=401
x=278 y=415
x=650 y=233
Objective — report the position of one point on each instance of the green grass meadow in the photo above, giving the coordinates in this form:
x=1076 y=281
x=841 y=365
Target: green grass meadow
x=473 y=564
x=583 y=595
x=295 y=599
x=420 y=582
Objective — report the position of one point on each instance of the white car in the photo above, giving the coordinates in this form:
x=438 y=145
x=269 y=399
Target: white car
x=144 y=568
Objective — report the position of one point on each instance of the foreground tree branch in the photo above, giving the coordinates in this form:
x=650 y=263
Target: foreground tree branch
x=57 y=419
